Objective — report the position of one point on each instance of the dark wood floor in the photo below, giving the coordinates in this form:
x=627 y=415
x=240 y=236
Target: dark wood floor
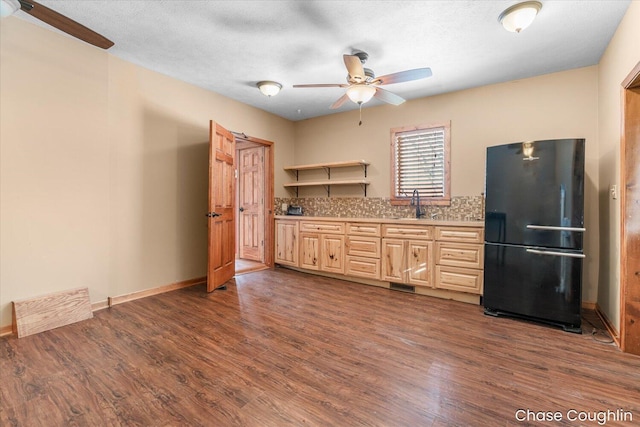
x=281 y=348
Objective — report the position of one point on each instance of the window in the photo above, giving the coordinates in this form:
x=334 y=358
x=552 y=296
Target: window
x=420 y=161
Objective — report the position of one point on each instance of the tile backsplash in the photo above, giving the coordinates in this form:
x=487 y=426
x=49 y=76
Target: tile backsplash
x=462 y=208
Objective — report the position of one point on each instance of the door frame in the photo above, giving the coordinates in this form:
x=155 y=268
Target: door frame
x=629 y=142
x=269 y=215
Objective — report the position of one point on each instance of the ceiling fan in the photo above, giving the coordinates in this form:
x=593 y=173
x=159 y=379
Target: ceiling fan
x=55 y=19
x=362 y=84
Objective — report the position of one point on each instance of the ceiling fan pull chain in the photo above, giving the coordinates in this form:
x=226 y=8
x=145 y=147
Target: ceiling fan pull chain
x=360 y=105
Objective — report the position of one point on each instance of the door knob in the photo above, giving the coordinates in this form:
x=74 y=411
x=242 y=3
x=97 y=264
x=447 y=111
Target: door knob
x=213 y=214
x=241 y=209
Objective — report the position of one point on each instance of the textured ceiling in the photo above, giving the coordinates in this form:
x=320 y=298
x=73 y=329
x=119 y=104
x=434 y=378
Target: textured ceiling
x=228 y=46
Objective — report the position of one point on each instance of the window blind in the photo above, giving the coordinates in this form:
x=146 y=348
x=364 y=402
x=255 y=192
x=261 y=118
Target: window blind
x=420 y=162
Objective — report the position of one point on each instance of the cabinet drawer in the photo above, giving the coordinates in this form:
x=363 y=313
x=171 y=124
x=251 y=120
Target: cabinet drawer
x=459 y=279
x=363 y=246
x=460 y=234
x=460 y=254
x=362 y=267
x=407 y=231
x=322 y=227
x=363 y=229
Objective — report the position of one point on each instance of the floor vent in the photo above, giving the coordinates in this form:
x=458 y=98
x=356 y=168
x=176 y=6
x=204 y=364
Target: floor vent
x=403 y=288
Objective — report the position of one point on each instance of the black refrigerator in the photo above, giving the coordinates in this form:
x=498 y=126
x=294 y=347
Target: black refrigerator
x=534 y=229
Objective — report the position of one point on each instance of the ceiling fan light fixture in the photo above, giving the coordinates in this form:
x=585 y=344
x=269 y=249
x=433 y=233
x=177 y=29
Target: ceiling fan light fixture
x=8 y=7
x=519 y=16
x=269 y=88
x=361 y=94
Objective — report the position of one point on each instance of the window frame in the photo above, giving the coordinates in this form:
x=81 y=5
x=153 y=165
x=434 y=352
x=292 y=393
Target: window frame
x=445 y=200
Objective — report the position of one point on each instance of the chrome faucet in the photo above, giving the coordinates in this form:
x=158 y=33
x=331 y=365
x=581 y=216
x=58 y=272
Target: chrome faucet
x=415 y=200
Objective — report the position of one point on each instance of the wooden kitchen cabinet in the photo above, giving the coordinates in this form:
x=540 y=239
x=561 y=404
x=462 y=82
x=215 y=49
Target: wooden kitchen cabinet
x=419 y=262
x=363 y=250
x=407 y=261
x=322 y=246
x=332 y=253
x=310 y=251
x=459 y=259
x=286 y=242
x=437 y=258
x=363 y=257
x=407 y=254
x=393 y=260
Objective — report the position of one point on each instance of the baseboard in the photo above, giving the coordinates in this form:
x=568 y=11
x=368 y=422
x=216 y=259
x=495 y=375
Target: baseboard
x=587 y=305
x=6 y=330
x=607 y=324
x=111 y=301
x=100 y=305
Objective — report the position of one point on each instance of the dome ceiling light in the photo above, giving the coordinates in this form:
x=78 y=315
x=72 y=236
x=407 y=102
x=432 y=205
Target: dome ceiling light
x=519 y=16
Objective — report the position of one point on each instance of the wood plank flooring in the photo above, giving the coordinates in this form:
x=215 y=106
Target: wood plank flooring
x=244 y=266
x=282 y=348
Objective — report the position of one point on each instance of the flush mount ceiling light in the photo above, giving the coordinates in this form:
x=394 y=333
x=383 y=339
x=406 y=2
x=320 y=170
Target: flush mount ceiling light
x=8 y=7
x=519 y=16
x=269 y=88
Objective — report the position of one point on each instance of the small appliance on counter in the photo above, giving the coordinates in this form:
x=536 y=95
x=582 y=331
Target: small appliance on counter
x=294 y=210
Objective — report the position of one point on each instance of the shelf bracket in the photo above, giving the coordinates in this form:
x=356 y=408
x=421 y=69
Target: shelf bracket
x=364 y=188
x=328 y=188
x=328 y=169
x=365 y=170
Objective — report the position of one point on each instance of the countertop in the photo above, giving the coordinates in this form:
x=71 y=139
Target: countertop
x=392 y=220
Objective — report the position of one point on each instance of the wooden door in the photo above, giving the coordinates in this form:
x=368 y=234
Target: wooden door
x=287 y=242
x=393 y=260
x=309 y=251
x=251 y=199
x=221 y=223
x=419 y=253
x=332 y=253
x=630 y=212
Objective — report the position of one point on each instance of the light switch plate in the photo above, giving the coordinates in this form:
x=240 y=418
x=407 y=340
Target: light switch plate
x=614 y=191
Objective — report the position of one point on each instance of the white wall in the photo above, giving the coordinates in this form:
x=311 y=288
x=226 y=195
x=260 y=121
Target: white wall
x=621 y=56
x=104 y=168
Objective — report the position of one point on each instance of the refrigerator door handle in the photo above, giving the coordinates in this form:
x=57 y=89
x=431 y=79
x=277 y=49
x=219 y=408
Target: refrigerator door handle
x=555 y=228
x=553 y=253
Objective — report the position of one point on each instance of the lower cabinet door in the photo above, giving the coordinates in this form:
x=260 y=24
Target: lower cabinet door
x=393 y=260
x=332 y=253
x=309 y=251
x=287 y=242
x=419 y=262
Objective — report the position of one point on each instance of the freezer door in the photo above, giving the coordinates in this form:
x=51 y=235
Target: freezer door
x=535 y=194
x=543 y=284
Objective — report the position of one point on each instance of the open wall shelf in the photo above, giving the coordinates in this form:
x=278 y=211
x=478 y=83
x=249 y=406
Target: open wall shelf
x=328 y=182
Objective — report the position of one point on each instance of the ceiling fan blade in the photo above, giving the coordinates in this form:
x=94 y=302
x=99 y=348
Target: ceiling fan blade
x=344 y=98
x=404 y=76
x=65 y=24
x=354 y=67
x=388 y=97
x=323 y=85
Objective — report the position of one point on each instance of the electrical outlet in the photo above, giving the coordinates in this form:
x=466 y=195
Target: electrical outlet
x=614 y=191
x=284 y=207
